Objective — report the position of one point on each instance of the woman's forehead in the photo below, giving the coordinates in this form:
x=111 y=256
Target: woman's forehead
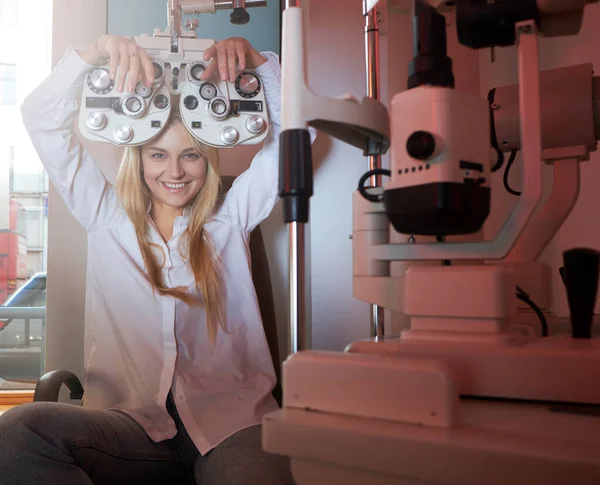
x=174 y=137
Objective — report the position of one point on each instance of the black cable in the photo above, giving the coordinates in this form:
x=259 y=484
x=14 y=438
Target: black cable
x=499 y=161
x=500 y=155
x=361 y=184
x=524 y=297
x=511 y=160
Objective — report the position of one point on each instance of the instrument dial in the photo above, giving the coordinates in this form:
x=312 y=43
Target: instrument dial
x=191 y=102
x=143 y=91
x=159 y=73
x=208 y=91
x=161 y=101
x=96 y=121
x=229 y=135
x=195 y=73
x=99 y=81
x=219 y=108
x=247 y=85
x=123 y=134
x=255 y=124
x=133 y=106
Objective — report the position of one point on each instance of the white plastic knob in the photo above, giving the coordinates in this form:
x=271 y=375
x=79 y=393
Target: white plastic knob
x=124 y=134
x=96 y=121
x=229 y=135
x=255 y=124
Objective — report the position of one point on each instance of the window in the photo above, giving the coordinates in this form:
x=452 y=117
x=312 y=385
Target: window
x=11 y=168
x=22 y=276
x=31 y=294
x=9 y=12
x=8 y=84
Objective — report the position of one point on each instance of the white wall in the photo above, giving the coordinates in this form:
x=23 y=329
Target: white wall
x=581 y=228
x=336 y=67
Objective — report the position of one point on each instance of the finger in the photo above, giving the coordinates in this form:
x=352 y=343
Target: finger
x=222 y=60
x=135 y=71
x=123 y=67
x=210 y=52
x=210 y=70
x=231 y=60
x=147 y=66
x=115 y=56
x=241 y=53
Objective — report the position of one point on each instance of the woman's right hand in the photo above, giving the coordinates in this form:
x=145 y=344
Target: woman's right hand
x=125 y=57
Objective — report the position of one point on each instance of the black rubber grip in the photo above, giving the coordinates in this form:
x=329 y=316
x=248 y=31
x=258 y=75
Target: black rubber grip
x=295 y=174
x=580 y=275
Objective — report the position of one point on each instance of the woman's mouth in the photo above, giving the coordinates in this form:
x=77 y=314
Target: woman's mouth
x=174 y=187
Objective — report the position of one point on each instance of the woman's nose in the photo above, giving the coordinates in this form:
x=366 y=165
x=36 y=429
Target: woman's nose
x=175 y=169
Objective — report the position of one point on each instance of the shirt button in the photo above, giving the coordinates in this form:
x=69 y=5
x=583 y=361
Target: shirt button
x=180 y=397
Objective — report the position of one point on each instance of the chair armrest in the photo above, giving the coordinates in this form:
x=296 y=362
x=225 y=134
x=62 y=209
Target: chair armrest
x=48 y=387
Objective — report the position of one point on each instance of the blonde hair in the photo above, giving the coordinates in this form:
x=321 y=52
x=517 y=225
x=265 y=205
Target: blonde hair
x=195 y=244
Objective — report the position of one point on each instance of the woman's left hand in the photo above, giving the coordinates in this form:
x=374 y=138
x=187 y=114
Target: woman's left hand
x=227 y=55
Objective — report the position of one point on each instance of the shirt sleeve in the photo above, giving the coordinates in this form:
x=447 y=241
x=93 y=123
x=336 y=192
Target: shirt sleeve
x=49 y=113
x=254 y=193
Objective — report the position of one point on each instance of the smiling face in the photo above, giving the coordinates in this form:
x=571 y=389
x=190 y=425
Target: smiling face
x=174 y=169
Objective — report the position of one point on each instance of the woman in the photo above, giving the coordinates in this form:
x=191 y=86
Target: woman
x=179 y=374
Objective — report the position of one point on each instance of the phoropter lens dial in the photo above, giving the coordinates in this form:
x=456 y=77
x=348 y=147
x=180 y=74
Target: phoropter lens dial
x=195 y=72
x=99 y=81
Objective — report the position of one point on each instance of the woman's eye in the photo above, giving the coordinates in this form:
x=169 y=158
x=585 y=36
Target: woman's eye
x=191 y=156
x=157 y=156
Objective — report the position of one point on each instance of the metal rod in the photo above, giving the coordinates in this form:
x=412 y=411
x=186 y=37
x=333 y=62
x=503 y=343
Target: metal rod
x=228 y=5
x=297 y=287
x=22 y=312
x=377 y=321
x=27 y=332
x=373 y=76
x=299 y=314
x=43 y=350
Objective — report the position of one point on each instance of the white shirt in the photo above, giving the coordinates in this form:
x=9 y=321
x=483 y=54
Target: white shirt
x=144 y=344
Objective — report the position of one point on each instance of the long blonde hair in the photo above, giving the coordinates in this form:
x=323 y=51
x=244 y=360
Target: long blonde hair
x=195 y=244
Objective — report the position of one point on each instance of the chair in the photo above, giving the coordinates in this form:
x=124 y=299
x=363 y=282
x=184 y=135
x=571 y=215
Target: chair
x=48 y=386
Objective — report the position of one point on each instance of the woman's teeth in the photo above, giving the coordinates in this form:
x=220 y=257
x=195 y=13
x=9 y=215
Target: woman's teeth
x=174 y=186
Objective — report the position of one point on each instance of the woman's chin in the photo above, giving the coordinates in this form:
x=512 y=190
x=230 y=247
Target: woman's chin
x=177 y=200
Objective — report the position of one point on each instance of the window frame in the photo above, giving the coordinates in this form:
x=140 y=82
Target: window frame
x=16 y=16
x=4 y=79
x=74 y=23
